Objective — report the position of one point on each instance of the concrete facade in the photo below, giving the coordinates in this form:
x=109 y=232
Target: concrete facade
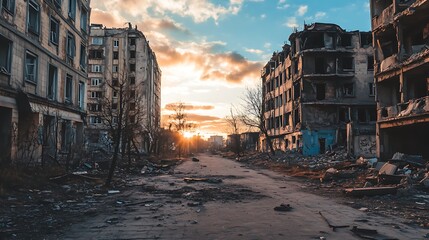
x=43 y=47
x=122 y=58
x=401 y=44
x=318 y=87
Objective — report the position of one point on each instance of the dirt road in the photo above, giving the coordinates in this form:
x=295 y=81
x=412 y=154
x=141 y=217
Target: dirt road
x=235 y=203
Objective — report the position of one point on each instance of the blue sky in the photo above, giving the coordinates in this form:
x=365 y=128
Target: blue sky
x=210 y=51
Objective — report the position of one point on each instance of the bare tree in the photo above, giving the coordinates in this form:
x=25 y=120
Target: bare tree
x=178 y=122
x=233 y=121
x=253 y=113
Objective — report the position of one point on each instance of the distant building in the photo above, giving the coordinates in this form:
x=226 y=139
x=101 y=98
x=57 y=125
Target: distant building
x=319 y=92
x=249 y=140
x=121 y=58
x=215 y=142
x=43 y=74
x=401 y=43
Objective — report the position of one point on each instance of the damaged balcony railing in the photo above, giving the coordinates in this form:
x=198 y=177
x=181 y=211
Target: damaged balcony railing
x=412 y=107
x=384 y=18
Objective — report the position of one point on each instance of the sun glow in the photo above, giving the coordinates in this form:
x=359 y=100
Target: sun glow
x=188 y=134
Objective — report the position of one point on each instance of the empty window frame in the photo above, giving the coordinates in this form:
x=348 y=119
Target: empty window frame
x=347 y=63
x=371 y=88
x=33 y=19
x=84 y=19
x=5 y=54
x=96 y=68
x=94 y=119
x=72 y=9
x=82 y=60
x=370 y=62
x=31 y=66
x=68 y=89
x=132 y=80
x=57 y=3
x=115 y=55
x=95 y=81
x=132 y=54
x=96 y=94
x=348 y=90
x=8 y=5
x=70 y=47
x=81 y=95
x=132 y=41
x=96 y=54
x=320 y=91
x=54 y=31
x=286 y=119
x=132 y=67
x=52 y=82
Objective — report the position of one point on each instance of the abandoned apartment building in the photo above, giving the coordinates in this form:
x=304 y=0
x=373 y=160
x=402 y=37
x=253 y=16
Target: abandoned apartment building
x=319 y=92
x=43 y=49
x=122 y=68
x=401 y=48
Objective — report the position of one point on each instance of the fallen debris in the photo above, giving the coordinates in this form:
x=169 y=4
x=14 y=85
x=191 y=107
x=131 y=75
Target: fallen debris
x=283 y=208
x=370 y=191
x=334 y=227
x=209 y=180
x=194 y=159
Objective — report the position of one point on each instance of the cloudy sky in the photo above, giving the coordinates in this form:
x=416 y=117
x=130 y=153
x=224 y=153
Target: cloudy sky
x=210 y=50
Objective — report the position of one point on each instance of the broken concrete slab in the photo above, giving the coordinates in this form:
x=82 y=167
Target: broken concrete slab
x=370 y=191
x=388 y=169
x=209 y=180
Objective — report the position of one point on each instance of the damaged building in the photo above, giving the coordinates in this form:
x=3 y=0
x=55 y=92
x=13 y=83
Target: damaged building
x=43 y=48
x=319 y=92
x=122 y=68
x=401 y=48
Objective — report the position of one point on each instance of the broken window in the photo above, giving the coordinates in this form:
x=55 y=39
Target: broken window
x=132 y=106
x=96 y=54
x=343 y=115
x=132 y=80
x=347 y=63
x=114 y=106
x=97 y=41
x=371 y=87
x=296 y=91
x=297 y=118
x=115 y=82
x=132 y=94
x=81 y=95
x=84 y=19
x=362 y=115
x=288 y=72
x=372 y=114
x=8 y=5
x=132 y=118
x=289 y=92
x=293 y=139
x=82 y=60
x=295 y=64
x=115 y=68
x=132 y=41
x=132 y=67
x=115 y=55
x=94 y=119
x=348 y=90
x=370 y=62
x=31 y=65
x=346 y=40
x=132 y=54
x=72 y=9
x=55 y=31
x=70 y=47
x=57 y=3
x=115 y=94
x=66 y=135
x=96 y=94
x=52 y=82
x=68 y=88
x=320 y=91
x=286 y=119
x=365 y=39
x=5 y=54
x=33 y=17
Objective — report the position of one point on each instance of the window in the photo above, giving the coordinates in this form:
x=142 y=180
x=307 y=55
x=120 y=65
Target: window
x=362 y=115
x=320 y=91
x=95 y=81
x=94 y=119
x=132 y=80
x=132 y=54
x=52 y=82
x=132 y=118
x=96 y=94
x=114 y=106
x=30 y=67
x=72 y=9
x=115 y=82
x=82 y=60
x=97 y=41
x=96 y=54
x=347 y=63
x=115 y=43
x=348 y=90
x=115 y=55
x=81 y=95
x=371 y=87
x=70 y=47
x=57 y=3
x=8 y=5
x=115 y=68
x=132 y=106
x=132 y=41
x=5 y=54
x=96 y=68
x=68 y=89
x=33 y=17
x=95 y=107
x=343 y=115
x=132 y=67
x=132 y=94
x=84 y=20
x=115 y=94
x=370 y=61
x=55 y=31
x=286 y=119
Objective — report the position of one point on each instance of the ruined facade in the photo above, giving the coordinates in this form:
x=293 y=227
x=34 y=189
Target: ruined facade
x=319 y=92
x=43 y=64
x=401 y=48
x=122 y=66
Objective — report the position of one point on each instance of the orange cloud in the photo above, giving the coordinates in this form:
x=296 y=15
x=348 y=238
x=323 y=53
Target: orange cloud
x=173 y=106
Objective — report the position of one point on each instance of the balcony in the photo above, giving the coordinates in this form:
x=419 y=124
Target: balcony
x=402 y=110
x=384 y=18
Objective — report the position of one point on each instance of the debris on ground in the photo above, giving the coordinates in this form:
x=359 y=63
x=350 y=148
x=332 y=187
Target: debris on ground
x=208 y=180
x=194 y=159
x=283 y=208
x=334 y=227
